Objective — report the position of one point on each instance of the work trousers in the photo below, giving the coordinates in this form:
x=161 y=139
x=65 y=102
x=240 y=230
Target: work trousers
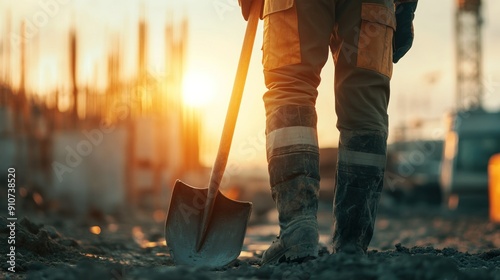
x=297 y=37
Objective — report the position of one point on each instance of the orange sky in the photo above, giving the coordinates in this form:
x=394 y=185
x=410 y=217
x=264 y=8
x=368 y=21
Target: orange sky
x=423 y=82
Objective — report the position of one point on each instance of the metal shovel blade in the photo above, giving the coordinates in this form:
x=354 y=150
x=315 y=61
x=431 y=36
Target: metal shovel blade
x=225 y=233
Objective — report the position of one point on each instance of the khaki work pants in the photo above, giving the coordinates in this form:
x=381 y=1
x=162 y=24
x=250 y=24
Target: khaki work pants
x=298 y=34
x=297 y=37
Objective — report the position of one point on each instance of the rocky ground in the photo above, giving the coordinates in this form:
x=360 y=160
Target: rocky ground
x=411 y=242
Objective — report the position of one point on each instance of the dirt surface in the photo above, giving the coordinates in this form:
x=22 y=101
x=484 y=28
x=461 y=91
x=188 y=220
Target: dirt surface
x=409 y=243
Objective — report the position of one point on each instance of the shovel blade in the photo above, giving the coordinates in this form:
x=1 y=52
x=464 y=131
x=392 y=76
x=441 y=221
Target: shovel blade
x=225 y=233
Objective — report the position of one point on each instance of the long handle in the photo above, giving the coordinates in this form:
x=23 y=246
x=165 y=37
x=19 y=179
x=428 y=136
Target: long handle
x=231 y=117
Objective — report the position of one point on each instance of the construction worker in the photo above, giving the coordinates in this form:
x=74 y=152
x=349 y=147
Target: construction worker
x=297 y=36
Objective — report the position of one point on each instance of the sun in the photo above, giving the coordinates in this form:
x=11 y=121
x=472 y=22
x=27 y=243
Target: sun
x=197 y=89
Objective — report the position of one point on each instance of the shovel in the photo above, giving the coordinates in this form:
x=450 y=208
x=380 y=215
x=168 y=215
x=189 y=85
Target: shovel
x=204 y=227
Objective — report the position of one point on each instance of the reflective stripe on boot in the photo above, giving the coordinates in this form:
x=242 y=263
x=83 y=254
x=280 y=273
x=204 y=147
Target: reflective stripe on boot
x=360 y=173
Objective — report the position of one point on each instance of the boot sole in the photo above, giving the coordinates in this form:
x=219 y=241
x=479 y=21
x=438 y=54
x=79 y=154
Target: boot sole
x=301 y=251
x=304 y=238
x=297 y=253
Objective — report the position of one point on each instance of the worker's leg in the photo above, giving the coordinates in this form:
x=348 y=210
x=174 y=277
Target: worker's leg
x=296 y=41
x=362 y=49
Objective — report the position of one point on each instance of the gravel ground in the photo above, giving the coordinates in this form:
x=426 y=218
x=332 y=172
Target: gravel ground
x=418 y=242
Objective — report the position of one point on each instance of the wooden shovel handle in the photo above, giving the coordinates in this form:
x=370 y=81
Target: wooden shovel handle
x=231 y=117
x=234 y=104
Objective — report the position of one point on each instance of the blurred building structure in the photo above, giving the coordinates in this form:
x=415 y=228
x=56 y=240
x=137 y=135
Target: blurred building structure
x=108 y=148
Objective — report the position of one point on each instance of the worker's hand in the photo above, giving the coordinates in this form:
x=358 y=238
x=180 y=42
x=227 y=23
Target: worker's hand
x=245 y=7
x=403 y=37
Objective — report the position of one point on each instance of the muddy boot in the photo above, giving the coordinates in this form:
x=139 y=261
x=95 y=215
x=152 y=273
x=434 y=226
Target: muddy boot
x=297 y=204
x=360 y=173
x=293 y=163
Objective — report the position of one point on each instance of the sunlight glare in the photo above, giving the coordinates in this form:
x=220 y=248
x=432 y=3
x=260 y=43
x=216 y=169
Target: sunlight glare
x=197 y=89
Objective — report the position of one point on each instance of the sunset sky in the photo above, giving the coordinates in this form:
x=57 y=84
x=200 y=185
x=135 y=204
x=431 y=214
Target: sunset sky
x=423 y=82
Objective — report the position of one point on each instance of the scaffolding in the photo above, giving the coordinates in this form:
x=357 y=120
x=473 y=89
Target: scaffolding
x=468 y=21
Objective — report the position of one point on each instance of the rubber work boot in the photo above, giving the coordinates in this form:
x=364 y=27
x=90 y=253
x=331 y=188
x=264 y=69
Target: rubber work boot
x=360 y=174
x=293 y=165
x=297 y=204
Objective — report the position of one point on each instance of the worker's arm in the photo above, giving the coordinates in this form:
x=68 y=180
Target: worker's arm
x=403 y=37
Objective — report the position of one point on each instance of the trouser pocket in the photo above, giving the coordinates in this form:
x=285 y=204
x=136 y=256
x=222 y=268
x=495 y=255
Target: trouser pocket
x=281 y=34
x=378 y=23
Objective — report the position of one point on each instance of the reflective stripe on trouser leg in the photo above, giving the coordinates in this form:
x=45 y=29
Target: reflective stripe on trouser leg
x=360 y=173
x=293 y=158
